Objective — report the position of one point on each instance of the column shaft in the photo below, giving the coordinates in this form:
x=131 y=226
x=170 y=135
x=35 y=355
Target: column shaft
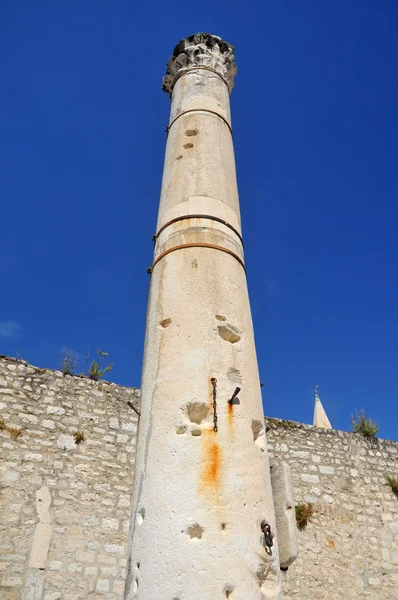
x=202 y=484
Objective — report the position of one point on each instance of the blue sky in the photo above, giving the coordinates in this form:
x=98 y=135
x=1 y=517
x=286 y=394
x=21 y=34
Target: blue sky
x=315 y=129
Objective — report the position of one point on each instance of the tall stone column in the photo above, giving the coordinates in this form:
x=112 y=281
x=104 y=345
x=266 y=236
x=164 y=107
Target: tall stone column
x=202 y=489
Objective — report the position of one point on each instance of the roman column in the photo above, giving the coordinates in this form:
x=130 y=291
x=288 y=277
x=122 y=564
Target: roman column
x=203 y=518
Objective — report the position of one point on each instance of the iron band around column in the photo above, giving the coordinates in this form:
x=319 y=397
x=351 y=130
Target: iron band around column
x=206 y=110
x=197 y=216
x=196 y=245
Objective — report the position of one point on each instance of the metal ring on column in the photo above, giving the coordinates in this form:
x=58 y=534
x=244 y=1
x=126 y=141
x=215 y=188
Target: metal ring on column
x=208 y=110
x=182 y=72
x=196 y=245
x=184 y=217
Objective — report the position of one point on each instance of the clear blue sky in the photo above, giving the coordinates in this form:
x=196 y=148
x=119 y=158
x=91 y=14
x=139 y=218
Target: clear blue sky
x=316 y=136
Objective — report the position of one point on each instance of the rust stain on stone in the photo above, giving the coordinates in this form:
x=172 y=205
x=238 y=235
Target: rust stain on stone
x=211 y=472
x=230 y=414
x=331 y=543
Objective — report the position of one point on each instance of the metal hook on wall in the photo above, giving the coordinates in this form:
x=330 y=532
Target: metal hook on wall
x=234 y=399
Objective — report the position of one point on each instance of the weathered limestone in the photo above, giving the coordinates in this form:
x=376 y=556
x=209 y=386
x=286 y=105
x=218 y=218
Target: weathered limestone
x=285 y=514
x=34 y=584
x=64 y=507
x=43 y=531
x=350 y=545
x=320 y=416
x=349 y=548
x=202 y=485
x=201 y=49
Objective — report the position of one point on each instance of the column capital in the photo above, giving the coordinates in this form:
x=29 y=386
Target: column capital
x=201 y=50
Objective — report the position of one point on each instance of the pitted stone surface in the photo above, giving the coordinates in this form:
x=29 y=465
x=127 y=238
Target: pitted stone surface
x=199 y=467
x=282 y=490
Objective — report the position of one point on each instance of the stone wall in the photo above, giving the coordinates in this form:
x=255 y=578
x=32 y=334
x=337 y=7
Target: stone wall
x=64 y=506
x=349 y=549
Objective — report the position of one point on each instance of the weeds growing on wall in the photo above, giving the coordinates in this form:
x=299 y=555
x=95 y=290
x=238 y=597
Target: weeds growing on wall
x=12 y=431
x=362 y=424
x=18 y=354
x=96 y=369
x=69 y=362
x=79 y=437
x=393 y=483
x=304 y=513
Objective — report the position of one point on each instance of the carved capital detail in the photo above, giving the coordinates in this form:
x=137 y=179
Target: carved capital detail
x=201 y=50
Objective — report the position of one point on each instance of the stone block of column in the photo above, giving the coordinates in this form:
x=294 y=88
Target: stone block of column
x=282 y=489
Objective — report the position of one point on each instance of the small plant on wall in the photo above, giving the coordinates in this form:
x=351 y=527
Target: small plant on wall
x=79 y=437
x=12 y=431
x=362 y=424
x=304 y=513
x=69 y=362
x=97 y=369
x=393 y=483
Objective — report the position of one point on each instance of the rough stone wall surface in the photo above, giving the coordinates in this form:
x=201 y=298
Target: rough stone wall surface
x=349 y=549
x=64 y=507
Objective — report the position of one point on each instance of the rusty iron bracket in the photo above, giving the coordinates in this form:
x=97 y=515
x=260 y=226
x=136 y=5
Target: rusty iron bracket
x=215 y=417
x=233 y=399
x=131 y=405
x=268 y=540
